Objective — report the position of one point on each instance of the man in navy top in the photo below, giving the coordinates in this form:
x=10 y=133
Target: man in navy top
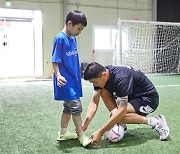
x=129 y=96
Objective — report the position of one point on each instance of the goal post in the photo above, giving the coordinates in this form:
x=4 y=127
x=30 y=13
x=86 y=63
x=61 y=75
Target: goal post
x=152 y=47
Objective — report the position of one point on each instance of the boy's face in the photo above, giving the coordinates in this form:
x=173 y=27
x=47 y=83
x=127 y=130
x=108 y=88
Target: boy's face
x=74 y=30
x=100 y=81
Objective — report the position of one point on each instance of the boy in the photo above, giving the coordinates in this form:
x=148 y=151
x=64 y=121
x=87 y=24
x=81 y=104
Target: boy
x=128 y=94
x=67 y=78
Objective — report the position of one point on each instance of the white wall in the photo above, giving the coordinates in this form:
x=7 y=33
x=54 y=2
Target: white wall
x=98 y=12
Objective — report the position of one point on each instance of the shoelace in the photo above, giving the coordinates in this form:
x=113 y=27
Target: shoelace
x=159 y=129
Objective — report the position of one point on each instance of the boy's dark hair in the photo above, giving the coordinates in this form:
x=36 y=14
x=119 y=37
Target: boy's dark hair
x=76 y=17
x=93 y=70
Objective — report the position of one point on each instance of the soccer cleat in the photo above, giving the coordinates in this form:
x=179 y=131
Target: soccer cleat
x=66 y=136
x=84 y=140
x=161 y=127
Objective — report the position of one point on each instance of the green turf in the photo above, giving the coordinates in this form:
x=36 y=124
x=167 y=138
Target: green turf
x=29 y=121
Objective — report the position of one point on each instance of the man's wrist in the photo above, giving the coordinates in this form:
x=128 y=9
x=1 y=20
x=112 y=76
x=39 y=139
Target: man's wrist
x=101 y=131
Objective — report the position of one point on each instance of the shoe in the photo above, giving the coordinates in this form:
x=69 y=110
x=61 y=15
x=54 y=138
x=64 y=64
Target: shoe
x=84 y=140
x=161 y=127
x=66 y=136
x=125 y=128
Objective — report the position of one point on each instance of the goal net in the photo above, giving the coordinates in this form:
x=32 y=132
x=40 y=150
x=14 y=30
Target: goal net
x=152 y=47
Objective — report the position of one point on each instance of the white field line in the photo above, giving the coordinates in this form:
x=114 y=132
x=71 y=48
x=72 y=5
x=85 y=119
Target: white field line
x=167 y=86
x=155 y=86
x=89 y=86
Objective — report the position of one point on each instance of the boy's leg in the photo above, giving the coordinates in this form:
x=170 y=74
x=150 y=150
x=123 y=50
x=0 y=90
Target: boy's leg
x=84 y=140
x=64 y=134
x=76 y=110
x=77 y=122
x=65 y=118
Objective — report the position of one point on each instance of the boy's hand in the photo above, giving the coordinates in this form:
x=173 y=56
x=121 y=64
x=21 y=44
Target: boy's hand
x=61 y=81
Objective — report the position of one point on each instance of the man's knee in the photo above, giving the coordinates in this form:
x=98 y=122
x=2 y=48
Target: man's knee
x=108 y=100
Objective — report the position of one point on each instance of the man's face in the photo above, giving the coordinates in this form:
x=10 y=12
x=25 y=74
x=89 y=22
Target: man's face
x=100 y=81
x=75 y=30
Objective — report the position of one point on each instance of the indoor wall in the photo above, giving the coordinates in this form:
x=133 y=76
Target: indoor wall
x=98 y=12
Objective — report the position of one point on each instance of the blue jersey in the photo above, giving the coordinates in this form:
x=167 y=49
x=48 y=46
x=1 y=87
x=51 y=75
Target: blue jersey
x=66 y=55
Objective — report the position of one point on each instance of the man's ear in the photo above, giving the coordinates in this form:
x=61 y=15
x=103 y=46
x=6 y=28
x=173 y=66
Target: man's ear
x=104 y=73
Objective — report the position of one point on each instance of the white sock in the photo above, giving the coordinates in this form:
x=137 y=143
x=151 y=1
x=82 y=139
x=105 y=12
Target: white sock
x=152 y=121
x=63 y=130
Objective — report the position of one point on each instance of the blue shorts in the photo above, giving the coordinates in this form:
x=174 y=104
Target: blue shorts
x=145 y=105
x=73 y=107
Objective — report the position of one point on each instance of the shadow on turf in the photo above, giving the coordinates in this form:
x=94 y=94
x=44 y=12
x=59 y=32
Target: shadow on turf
x=132 y=138
x=66 y=146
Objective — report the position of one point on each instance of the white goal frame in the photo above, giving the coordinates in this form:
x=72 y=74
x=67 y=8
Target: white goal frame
x=152 y=47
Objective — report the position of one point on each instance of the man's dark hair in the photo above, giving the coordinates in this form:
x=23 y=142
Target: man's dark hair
x=76 y=17
x=93 y=70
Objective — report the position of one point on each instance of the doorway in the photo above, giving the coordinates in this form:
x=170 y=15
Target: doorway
x=20 y=44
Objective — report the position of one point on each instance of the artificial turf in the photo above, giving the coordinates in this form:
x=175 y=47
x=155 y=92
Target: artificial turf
x=29 y=121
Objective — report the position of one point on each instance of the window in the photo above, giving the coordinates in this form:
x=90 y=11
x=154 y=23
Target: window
x=104 y=38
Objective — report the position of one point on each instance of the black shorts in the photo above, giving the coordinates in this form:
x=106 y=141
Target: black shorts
x=146 y=104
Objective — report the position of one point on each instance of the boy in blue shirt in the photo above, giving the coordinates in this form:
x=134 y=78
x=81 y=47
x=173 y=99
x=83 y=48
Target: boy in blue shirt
x=67 y=77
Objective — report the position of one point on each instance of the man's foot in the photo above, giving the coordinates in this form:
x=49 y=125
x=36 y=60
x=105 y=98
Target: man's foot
x=161 y=127
x=66 y=136
x=84 y=140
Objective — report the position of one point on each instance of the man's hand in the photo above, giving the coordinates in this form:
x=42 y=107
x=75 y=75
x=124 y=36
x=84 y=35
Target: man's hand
x=96 y=138
x=84 y=127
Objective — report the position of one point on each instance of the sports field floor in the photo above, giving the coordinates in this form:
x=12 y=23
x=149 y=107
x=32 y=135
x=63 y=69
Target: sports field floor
x=29 y=121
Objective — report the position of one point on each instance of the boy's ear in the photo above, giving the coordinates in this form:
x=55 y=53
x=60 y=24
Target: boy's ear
x=69 y=23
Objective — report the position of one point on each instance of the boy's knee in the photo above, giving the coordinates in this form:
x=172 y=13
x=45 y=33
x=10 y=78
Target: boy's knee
x=74 y=107
x=76 y=111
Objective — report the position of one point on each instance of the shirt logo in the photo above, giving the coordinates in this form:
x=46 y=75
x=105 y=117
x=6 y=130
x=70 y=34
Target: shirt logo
x=114 y=94
x=146 y=109
x=71 y=53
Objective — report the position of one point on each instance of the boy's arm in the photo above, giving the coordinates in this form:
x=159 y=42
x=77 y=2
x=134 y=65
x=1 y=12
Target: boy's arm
x=93 y=105
x=61 y=81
